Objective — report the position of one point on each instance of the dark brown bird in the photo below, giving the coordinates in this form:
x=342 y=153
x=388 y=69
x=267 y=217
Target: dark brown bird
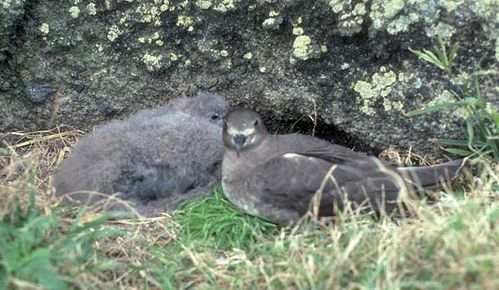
x=276 y=176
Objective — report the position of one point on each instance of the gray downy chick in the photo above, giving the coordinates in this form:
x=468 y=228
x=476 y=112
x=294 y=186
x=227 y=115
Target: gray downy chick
x=155 y=159
x=277 y=176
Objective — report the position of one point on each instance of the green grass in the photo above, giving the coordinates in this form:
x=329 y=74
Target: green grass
x=215 y=220
x=207 y=244
x=438 y=55
x=41 y=250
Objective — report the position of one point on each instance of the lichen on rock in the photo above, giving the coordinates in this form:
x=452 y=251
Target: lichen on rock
x=152 y=62
x=44 y=28
x=273 y=56
x=74 y=11
x=378 y=89
x=302 y=47
x=350 y=16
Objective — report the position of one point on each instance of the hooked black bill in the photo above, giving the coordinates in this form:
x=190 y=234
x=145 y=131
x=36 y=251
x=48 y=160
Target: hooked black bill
x=239 y=140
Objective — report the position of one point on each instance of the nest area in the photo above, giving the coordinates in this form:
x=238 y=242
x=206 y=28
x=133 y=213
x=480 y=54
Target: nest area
x=50 y=147
x=32 y=157
x=147 y=249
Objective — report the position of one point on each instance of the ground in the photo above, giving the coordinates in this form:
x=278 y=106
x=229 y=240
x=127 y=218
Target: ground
x=450 y=242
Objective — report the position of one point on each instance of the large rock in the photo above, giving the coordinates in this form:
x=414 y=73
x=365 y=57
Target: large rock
x=82 y=62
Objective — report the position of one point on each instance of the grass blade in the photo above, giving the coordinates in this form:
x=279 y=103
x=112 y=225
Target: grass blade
x=459 y=143
x=469 y=131
x=460 y=152
x=434 y=108
x=453 y=52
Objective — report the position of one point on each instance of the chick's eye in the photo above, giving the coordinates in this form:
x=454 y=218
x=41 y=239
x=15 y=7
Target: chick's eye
x=256 y=122
x=215 y=117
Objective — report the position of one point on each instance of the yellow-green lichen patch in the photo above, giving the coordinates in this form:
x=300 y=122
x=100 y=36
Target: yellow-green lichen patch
x=149 y=13
x=185 y=21
x=91 y=10
x=442 y=29
x=359 y=9
x=298 y=31
x=6 y=3
x=152 y=62
x=183 y=4
x=402 y=23
x=113 y=33
x=173 y=56
x=403 y=78
x=336 y=5
x=378 y=89
x=225 y=6
x=272 y=23
x=248 y=55
x=224 y=53
x=349 y=27
x=44 y=28
x=74 y=11
x=389 y=15
x=269 y=22
x=451 y=5
x=301 y=47
x=350 y=16
x=164 y=6
x=273 y=13
x=203 y=4
x=125 y=18
x=392 y=7
x=99 y=47
x=154 y=38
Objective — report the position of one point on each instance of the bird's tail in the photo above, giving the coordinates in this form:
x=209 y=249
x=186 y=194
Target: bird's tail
x=434 y=175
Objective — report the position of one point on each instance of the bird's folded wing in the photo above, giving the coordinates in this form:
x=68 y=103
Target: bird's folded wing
x=313 y=147
x=292 y=180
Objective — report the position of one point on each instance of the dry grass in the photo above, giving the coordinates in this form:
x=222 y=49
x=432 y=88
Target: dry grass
x=451 y=244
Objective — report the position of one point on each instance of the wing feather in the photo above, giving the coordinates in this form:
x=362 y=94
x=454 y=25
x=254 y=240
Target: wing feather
x=290 y=182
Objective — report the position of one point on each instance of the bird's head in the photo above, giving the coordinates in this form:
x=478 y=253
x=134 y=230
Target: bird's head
x=207 y=106
x=243 y=129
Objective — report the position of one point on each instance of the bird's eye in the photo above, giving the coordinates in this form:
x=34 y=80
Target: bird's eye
x=215 y=117
x=256 y=122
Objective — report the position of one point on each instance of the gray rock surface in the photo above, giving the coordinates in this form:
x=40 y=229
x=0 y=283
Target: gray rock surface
x=103 y=59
